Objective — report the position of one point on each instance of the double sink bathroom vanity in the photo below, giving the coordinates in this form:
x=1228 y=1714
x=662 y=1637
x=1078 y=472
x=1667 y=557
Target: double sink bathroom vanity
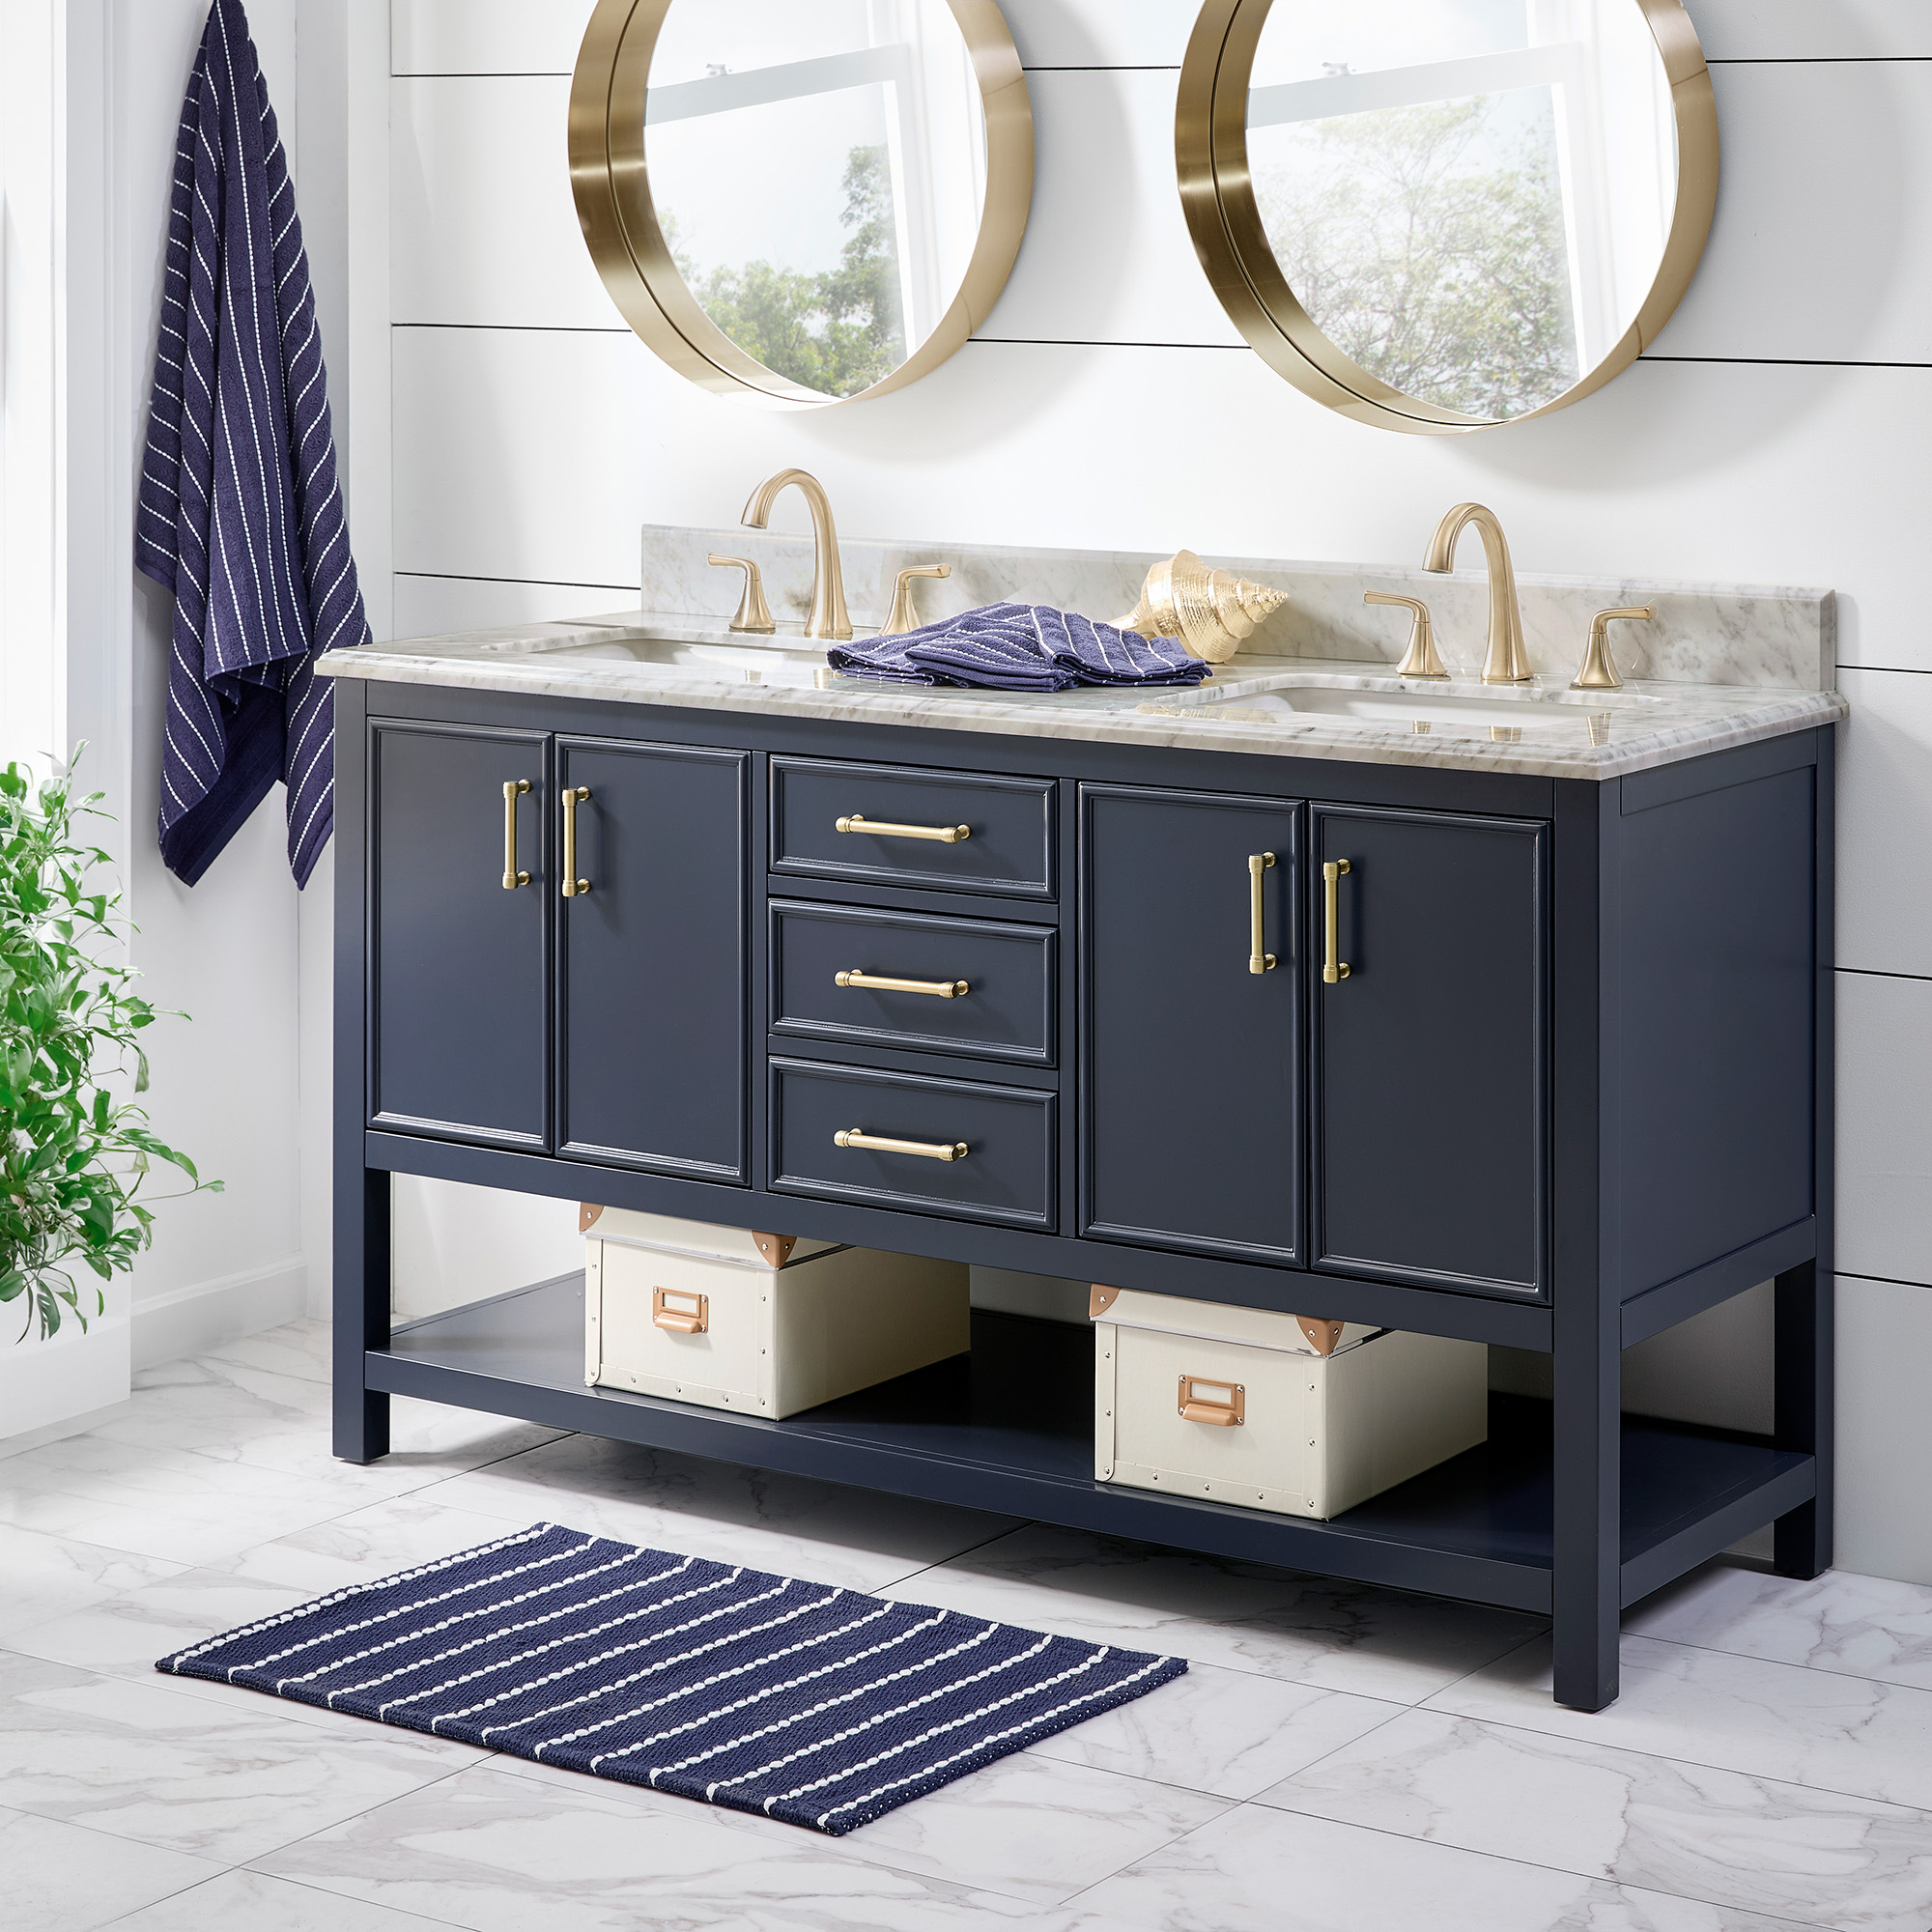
x=1494 y=1012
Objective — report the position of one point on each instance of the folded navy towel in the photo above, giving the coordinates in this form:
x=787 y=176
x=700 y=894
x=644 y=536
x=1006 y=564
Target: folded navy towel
x=1019 y=647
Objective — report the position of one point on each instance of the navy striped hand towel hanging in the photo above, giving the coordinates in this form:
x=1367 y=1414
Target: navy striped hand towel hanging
x=241 y=513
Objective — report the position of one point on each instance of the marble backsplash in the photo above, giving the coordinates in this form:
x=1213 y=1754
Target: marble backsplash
x=1703 y=633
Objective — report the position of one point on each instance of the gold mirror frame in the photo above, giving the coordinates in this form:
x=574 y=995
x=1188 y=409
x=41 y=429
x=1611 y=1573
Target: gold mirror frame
x=611 y=181
x=1210 y=148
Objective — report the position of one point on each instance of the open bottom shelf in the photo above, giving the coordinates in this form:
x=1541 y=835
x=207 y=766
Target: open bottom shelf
x=1010 y=1429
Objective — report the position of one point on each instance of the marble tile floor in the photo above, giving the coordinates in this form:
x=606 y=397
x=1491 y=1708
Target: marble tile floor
x=1339 y=1759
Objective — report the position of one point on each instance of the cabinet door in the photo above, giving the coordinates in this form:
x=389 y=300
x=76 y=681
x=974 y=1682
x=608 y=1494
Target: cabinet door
x=459 y=982
x=652 y=958
x=1428 y=1054
x=1192 y=1088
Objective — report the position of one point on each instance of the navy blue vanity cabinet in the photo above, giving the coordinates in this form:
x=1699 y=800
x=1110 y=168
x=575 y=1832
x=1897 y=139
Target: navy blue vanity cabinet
x=1429 y=1048
x=1191 y=971
x=652 y=968
x=1079 y=1008
x=458 y=958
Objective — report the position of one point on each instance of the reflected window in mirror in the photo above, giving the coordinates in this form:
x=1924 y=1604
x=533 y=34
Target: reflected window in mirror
x=837 y=189
x=820 y=173
x=1448 y=213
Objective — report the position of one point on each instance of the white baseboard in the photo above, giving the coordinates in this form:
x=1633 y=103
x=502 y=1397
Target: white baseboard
x=51 y=1390
x=59 y=1432
x=190 y=1321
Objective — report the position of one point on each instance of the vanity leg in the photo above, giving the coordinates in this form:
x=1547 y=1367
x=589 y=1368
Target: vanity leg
x=1805 y=1369
x=1802 y=1541
x=1587 y=1598
x=361 y=1310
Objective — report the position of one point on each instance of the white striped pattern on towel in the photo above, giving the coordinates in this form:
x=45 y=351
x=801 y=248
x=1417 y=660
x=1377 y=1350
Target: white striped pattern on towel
x=241 y=511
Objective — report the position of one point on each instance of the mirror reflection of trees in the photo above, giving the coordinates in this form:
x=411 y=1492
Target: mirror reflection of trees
x=1446 y=277
x=838 y=332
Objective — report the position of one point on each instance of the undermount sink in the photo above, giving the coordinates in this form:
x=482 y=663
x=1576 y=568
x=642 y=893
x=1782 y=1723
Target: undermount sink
x=1528 y=714
x=731 y=663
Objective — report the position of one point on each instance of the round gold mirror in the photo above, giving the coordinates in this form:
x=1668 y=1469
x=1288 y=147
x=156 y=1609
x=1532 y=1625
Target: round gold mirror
x=1442 y=215
x=802 y=203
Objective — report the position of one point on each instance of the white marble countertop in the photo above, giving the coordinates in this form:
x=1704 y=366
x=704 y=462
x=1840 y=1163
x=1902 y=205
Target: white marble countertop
x=1286 y=707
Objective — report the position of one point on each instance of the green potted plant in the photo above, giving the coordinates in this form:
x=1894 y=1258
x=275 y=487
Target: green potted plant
x=74 y=1154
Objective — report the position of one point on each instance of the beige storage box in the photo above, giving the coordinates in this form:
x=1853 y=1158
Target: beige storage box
x=765 y=1325
x=1271 y=1411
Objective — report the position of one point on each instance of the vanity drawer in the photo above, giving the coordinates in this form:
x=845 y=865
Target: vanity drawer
x=1006 y=1175
x=972 y=833
x=1005 y=1011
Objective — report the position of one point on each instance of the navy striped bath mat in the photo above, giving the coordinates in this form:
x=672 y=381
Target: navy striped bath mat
x=816 y=1705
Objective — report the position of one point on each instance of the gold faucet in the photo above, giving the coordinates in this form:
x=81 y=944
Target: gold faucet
x=904 y=613
x=1599 y=670
x=829 y=617
x=1507 y=661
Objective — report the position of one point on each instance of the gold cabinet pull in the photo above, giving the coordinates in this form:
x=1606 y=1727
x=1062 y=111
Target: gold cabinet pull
x=680 y=1312
x=858 y=1137
x=945 y=835
x=878 y=982
x=513 y=790
x=1334 y=968
x=1260 y=960
x=573 y=796
x=1226 y=1409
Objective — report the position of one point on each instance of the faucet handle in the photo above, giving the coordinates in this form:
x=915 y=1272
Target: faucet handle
x=754 y=615
x=1423 y=659
x=1599 y=670
x=904 y=614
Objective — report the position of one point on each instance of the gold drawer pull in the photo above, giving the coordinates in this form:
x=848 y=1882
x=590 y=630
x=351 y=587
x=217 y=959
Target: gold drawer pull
x=1227 y=1408
x=878 y=982
x=858 y=1137
x=573 y=887
x=513 y=790
x=1260 y=959
x=1334 y=968
x=691 y=1317
x=945 y=835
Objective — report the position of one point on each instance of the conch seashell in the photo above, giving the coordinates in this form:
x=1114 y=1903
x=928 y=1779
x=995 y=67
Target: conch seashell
x=1213 y=612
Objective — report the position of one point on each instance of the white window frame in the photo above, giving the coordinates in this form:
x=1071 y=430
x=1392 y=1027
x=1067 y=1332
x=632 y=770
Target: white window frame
x=32 y=700
x=63 y=605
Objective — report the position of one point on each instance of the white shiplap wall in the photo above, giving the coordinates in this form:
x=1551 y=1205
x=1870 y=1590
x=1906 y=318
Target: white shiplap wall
x=1778 y=434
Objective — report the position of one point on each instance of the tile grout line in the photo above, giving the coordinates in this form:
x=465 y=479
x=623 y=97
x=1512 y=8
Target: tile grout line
x=166 y=1897
x=1500 y=1857
x=1654 y=1756
x=1407 y=1711
x=406 y=1914
x=186 y=1568
x=354 y=1817
x=295 y=1529
x=923 y=1568
x=512 y=1766
x=1535 y=1636
x=1818 y=1669
x=1537 y=1864
x=221 y=1870
x=1690 y=1763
